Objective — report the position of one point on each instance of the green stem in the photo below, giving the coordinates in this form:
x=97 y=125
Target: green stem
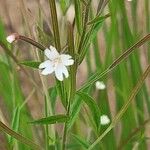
x=72 y=80
x=19 y=137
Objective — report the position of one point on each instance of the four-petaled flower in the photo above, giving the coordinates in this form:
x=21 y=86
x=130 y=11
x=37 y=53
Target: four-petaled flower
x=56 y=63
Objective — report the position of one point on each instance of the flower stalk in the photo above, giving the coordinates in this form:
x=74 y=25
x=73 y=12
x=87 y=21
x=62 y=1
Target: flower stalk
x=15 y=36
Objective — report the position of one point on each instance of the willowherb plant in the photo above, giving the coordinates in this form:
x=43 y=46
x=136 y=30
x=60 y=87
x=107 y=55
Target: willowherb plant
x=63 y=62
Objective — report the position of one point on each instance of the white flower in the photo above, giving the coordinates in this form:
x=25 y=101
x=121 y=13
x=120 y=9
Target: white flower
x=56 y=63
x=104 y=120
x=129 y=0
x=100 y=85
x=11 y=38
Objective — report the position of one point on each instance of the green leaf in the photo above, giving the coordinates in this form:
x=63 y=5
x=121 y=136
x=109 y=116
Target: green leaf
x=98 y=19
x=32 y=64
x=81 y=141
x=52 y=119
x=92 y=106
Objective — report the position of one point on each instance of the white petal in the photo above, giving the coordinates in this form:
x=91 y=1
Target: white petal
x=47 y=71
x=59 y=74
x=47 y=67
x=54 y=52
x=65 y=71
x=104 y=120
x=66 y=60
x=11 y=38
x=60 y=71
x=45 y=64
x=47 y=53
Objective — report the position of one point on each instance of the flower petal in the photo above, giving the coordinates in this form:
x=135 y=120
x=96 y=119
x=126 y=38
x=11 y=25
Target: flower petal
x=54 y=53
x=65 y=71
x=60 y=71
x=51 y=53
x=47 y=53
x=66 y=60
x=47 y=71
x=45 y=64
x=47 y=67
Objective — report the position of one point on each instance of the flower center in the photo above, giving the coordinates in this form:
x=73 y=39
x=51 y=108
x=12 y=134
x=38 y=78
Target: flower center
x=56 y=61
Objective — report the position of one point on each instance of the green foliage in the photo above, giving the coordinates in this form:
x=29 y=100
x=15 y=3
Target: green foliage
x=32 y=64
x=51 y=120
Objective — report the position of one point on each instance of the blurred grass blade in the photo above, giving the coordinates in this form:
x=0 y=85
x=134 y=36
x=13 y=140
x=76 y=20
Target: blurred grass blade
x=2 y=33
x=53 y=96
x=134 y=92
x=98 y=19
x=64 y=5
x=32 y=64
x=17 y=136
x=78 y=15
x=123 y=56
x=81 y=141
x=92 y=106
x=101 y=6
x=89 y=36
x=54 y=21
x=9 y=53
x=51 y=120
x=15 y=123
x=132 y=134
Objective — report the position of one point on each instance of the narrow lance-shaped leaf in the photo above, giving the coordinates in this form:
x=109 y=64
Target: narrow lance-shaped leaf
x=98 y=19
x=32 y=64
x=51 y=120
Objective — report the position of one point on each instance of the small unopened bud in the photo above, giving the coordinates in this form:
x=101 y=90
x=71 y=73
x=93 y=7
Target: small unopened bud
x=100 y=85
x=104 y=120
x=11 y=38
